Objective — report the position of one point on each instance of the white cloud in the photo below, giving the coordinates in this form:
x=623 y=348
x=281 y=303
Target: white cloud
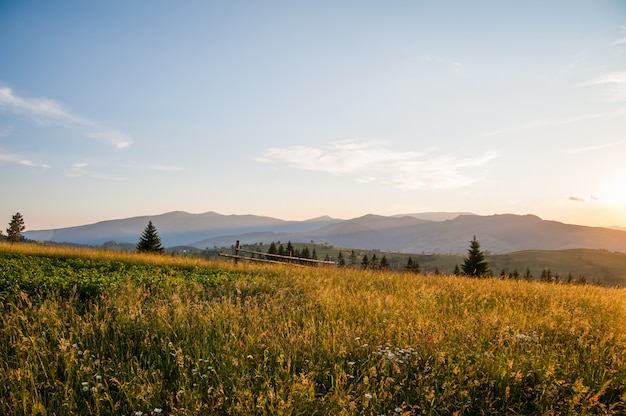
x=616 y=80
x=620 y=41
x=592 y=148
x=373 y=162
x=35 y=106
x=113 y=137
x=618 y=77
x=45 y=110
x=11 y=158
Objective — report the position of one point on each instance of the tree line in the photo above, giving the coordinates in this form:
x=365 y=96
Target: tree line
x=474 y=265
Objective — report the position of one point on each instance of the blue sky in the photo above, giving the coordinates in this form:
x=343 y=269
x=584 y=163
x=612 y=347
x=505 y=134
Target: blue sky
x=301 y=109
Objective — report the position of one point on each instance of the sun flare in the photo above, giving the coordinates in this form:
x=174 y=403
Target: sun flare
x=614 y=191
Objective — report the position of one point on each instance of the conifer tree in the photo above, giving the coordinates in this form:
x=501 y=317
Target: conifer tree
x=150 y=242
x=272 y=250
x=352 y=259
x=365 y=263
x=475 y=264
x=412 y=266
x=457 y=271
x=340 y=260
x=384 y=263
x=15 y=232
x=374 y=262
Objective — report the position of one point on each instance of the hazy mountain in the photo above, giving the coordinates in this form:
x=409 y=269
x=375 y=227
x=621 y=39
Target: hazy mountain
x=175 y=228
x=435 y=216
x=411 y=233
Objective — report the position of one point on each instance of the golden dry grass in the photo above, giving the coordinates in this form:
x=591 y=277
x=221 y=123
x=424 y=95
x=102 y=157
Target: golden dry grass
x=276 y=339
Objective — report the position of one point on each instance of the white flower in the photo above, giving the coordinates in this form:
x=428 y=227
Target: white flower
x=138 y=413
x=368 y=396
x=398 y=410
x=157 y=410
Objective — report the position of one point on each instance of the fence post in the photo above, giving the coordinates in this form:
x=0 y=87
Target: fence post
x=236 y=251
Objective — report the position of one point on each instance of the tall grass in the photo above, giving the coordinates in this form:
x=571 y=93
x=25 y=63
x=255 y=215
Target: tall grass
x=281 y=340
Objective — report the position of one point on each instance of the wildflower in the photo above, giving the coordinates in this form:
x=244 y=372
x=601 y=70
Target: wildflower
x=138 y=413
x=398 y=410
x=368 y=396
x=98 y=377
x=157 y=410
x=351 y=363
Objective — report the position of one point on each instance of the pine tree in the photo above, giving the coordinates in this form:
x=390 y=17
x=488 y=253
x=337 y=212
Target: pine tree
x=341 y=261
x=384 y=263
x=272 y=250
x=15 y=232
x=528 y=275
x=457 y=271
x=475 y=264
x=374 y=264
x=365 y=263
x=352 y=259
x=150 y=242
x=412 y=266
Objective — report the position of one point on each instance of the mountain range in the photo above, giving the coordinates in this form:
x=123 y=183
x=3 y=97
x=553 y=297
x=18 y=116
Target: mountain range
x=440 y=233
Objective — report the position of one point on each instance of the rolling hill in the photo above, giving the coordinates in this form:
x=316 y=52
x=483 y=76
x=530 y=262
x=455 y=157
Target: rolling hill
x=409 y=233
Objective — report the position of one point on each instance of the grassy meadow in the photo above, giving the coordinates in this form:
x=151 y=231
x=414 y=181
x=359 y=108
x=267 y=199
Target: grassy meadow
x=102 y=333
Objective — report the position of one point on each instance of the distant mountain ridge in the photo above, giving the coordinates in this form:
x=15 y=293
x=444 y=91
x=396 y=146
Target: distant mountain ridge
x=440 y=233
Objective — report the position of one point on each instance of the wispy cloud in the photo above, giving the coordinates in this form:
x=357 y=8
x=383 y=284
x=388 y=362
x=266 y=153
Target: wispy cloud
x=557 y=121
x=86 y=169
x=372 y=161
x=45 y=110
x=616 y=81
x=11 y=158
x=580 y=199
x=450 y=64
x=592 y=148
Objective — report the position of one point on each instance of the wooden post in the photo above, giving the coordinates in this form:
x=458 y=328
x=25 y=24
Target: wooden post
x=236 y=251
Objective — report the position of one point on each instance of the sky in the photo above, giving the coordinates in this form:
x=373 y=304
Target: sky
x=296 y=110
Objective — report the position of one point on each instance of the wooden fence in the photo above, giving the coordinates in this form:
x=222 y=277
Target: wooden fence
x=272 y=258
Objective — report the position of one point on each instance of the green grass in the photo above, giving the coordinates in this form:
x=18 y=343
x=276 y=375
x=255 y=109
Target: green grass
x=213 y=338
x=596 y=266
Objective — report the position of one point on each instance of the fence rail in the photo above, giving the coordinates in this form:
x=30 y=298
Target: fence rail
x=269 y=258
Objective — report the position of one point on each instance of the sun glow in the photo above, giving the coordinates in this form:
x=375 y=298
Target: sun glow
x=614 y=191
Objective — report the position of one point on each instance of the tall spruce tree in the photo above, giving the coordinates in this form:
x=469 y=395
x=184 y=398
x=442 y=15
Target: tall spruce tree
x=412 y=266
x=150 y=242
x=341 y=262
x=15 y=232
x=365 y=263
x=475 y=264
x=384 y=263
x=272 y=250
x=352 y=259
